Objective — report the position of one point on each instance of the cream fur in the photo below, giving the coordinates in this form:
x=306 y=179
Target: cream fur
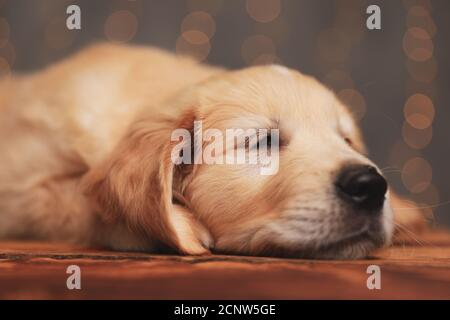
x=85 y=157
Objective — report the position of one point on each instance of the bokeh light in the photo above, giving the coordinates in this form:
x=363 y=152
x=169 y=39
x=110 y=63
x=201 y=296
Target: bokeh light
x=195 y=37
x=263 y=10
x=197 y=29
x=420 y=17
x=196 y=25
x=121 y=26
x=197 y=51
x=417 y=44
x=417 y=174
x=417 y=138
x=419 y=111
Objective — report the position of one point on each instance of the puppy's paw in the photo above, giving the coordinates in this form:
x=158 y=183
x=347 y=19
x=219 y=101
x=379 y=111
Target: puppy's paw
x=193 y=238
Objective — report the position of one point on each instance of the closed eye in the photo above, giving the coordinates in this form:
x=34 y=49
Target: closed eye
x=348 y=141
x=264 y=140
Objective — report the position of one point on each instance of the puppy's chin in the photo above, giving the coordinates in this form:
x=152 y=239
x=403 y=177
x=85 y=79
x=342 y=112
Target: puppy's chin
x=291 y=237
x=356 y=244
x=358 y=247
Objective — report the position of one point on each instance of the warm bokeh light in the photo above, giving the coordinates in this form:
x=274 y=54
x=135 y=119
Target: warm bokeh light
x=420 y=17
x=255 y=46
x=416 y=138
x=263 y=10
x=57 y=36
x=417 y=174
x=422 y=71
x=4 y=32
x=333 y=48
x=354 y=100
x=121 y=26
x=195 y=23
x=195 y=37
x=419 y=111
x=198 y=51
x=417 y=44
x=197 y=29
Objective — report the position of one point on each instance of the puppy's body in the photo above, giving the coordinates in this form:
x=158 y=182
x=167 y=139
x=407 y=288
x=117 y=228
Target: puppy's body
x=59 y=123
x=84 y=156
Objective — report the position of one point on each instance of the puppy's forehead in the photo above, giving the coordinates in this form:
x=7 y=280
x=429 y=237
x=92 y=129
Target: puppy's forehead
x=277 y=93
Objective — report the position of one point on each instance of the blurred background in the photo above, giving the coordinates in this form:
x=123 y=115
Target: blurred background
x=396 y=79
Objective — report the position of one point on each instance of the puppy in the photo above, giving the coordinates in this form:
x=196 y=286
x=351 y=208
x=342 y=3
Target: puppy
x=85 y=157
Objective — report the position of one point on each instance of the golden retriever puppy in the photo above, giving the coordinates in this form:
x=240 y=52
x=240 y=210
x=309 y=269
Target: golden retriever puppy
x=86 y=155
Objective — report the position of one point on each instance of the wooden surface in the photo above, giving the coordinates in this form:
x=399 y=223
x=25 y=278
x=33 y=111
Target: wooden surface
x=38 y=271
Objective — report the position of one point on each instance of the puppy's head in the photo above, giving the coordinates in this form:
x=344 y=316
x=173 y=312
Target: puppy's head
x=325 y=200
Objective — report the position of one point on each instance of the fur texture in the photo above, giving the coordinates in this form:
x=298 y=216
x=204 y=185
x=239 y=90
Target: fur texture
x=85 y=157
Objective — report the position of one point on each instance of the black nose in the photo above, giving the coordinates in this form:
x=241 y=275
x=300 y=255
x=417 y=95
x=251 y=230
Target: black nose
x=363 y=186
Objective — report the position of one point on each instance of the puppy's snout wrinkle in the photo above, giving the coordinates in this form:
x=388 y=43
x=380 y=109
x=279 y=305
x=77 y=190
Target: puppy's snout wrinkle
x=362 y=186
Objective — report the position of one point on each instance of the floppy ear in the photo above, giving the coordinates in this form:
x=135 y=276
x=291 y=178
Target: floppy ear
x=134 y=185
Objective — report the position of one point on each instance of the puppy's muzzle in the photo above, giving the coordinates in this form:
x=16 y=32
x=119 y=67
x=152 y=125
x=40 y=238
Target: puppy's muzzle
x=362 y=186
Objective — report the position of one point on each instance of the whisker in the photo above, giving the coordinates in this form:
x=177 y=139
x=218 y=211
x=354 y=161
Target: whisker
x=389 y=168
x=392 y=171
x=410 y=234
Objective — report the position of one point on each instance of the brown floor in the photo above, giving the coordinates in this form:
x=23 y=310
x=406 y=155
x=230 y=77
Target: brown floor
x=33 y=270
